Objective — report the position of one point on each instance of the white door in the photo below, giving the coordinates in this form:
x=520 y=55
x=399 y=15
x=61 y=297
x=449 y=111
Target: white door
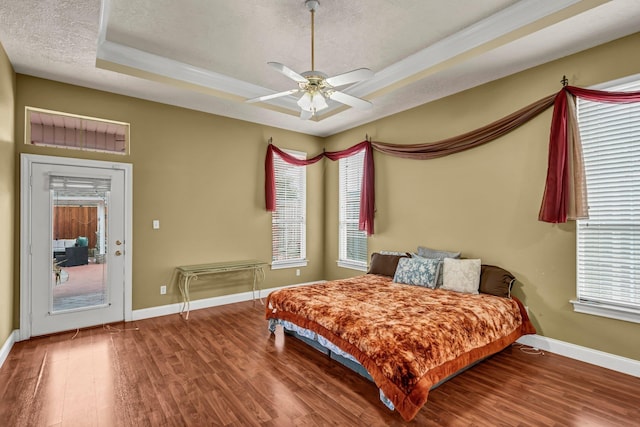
x=77 y=245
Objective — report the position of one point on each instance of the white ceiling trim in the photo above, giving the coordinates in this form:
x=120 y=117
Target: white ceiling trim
x=119 y=54
x=500 y=24
x=125 y=59
x=63 y=41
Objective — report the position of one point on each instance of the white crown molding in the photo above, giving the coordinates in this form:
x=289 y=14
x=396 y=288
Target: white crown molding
x=484 y=31
x=504 y=22
x=146 y=62
x=116 y=53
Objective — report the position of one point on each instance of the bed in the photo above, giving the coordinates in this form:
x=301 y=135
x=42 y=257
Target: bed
x=407 y=338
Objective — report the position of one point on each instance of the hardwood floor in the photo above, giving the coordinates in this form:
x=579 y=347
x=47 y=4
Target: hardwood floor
x=222 y=367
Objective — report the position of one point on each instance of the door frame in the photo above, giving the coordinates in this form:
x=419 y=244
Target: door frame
x=26 y=160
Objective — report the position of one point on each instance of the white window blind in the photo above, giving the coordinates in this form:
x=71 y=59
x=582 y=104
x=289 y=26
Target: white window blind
x=288 y=221
x=608 y=243
x=353 y=242
x=79 y=186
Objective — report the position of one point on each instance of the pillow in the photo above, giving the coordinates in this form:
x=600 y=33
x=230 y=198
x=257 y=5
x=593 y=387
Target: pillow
x=82 y=241
x=384 y=265
x=496 y=281
x=418 y=271
x=462 y=275
x=394 y=253
x=434 y=253
x=425 y=252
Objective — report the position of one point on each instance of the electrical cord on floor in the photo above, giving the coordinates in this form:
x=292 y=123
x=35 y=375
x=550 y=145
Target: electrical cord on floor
x=115 y=330
x=110 y=329
x=528 y=349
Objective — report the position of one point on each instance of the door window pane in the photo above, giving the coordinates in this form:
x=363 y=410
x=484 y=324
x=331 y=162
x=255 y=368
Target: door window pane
x=79 y=273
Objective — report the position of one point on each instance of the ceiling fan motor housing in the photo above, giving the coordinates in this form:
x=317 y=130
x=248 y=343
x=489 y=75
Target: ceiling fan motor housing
x=315 y=79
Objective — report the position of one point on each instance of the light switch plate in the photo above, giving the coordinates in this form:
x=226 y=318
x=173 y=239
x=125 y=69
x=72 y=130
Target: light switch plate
x=156 y=224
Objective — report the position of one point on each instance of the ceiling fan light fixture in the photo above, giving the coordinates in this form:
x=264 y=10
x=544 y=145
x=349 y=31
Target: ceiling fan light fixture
x=312 y=102
x=316 y=87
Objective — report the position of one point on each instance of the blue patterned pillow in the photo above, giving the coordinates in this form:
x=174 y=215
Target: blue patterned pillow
x=425 y=252
x=417 y=271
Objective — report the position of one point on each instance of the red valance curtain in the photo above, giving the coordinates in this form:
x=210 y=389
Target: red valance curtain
x=565 y=195
x=565 y=189
x=367 y=195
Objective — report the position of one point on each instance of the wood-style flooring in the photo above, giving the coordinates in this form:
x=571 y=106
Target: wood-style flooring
x=223 y=368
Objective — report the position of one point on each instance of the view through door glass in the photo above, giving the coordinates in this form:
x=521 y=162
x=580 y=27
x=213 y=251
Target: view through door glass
x=79 y=232
x=77 y=247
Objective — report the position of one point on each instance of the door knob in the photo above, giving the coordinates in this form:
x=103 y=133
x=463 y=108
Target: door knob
x=118 y=253
x=118 y=242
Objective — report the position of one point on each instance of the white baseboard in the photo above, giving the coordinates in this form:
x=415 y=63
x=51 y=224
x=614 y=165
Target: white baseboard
x=584 y=354
x=7 y=346
x=164 y=310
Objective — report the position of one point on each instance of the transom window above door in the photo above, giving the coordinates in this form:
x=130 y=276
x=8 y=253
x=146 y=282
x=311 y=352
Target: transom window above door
x=56 y=129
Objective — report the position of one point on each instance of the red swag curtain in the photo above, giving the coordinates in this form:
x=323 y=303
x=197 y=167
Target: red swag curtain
x=367 y=195
x=564 y=186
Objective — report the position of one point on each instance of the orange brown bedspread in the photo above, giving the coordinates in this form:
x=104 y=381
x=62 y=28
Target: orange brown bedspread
x=407 y=337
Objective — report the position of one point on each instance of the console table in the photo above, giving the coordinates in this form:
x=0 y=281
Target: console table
x=187 y=273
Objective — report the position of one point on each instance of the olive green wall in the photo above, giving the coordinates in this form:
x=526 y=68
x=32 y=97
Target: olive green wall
x=7 y=196
x=201 y=175
x=484 y=202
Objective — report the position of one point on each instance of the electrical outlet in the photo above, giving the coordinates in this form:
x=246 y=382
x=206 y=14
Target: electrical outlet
x=297 y=271
x=163 y=290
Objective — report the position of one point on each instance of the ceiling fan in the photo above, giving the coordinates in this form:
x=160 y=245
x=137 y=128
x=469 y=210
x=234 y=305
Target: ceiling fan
x=316 y=87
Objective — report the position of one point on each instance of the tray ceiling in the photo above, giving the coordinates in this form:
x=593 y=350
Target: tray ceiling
x=211 y=55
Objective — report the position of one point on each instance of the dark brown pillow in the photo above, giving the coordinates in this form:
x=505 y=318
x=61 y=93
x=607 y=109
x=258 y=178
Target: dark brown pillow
x=496 y=281
x=384 y=265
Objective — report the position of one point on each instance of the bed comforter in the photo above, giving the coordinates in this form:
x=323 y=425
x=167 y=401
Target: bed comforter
x=407 y=337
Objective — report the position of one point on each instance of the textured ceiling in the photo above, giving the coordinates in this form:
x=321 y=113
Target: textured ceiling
x=211 y=55
x=238 y=38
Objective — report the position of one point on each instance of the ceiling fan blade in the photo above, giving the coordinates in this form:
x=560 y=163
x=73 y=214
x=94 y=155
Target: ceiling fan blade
x=288 y=72
x=351 y=101
x=273 y=95
x=350 y=77
x=305 y=115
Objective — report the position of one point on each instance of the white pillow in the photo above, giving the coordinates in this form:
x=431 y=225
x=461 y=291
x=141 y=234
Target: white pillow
x=462 y=275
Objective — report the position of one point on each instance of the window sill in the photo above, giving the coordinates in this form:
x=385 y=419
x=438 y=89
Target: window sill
x=605 y=310
x=352 y=265
x=289 y=264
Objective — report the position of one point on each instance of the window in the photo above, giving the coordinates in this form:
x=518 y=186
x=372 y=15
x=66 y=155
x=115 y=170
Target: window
x=353 y=242
x=608 y=243
x=288 y=221
x=55 y=129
